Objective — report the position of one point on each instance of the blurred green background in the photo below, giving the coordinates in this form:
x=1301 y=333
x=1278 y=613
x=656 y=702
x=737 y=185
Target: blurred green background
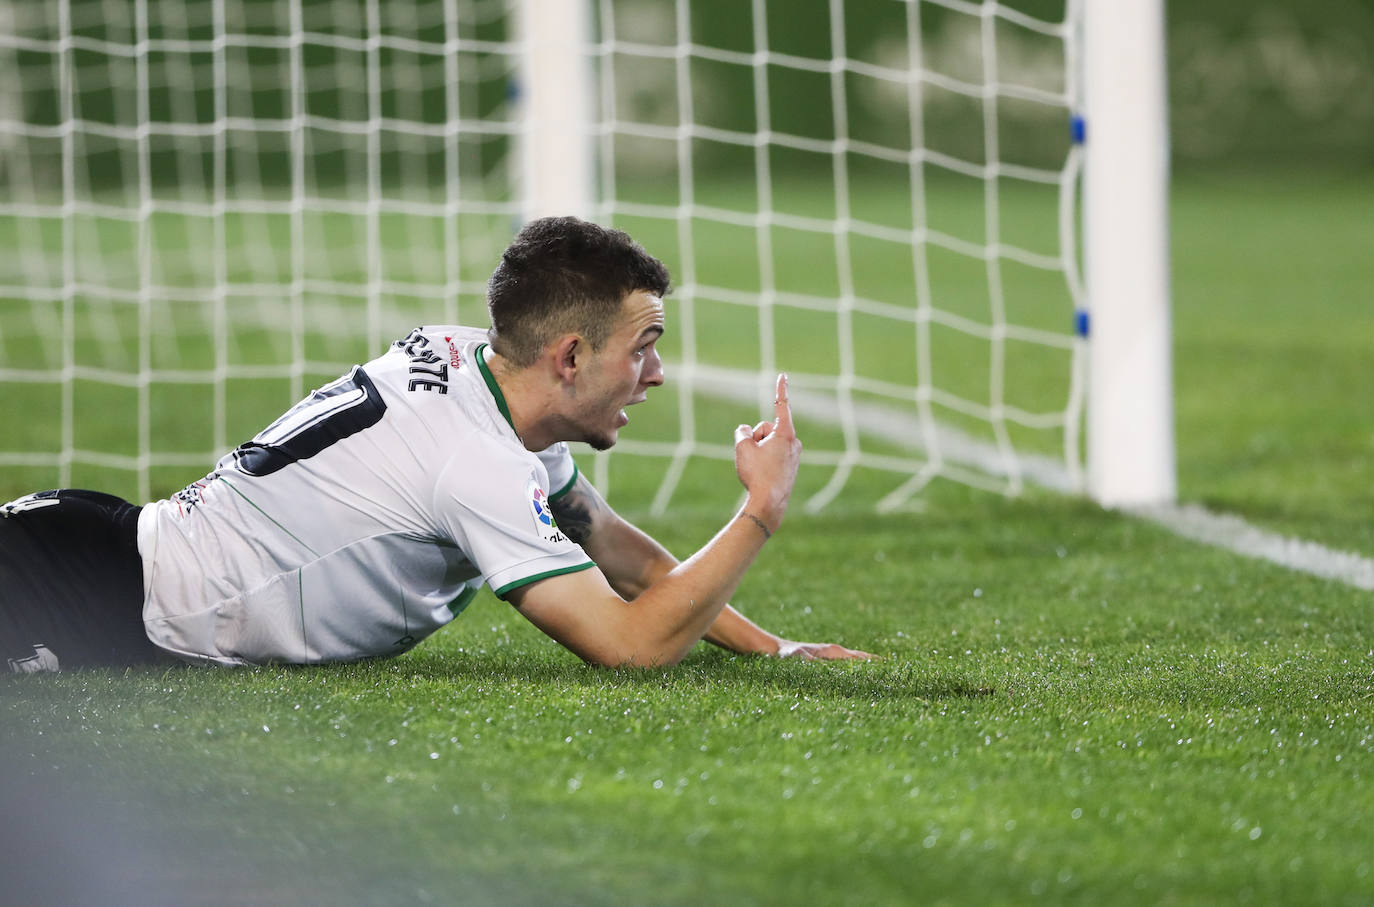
x=1272 y=131
x=1266 y=83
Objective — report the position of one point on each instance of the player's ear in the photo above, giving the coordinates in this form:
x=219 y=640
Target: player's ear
x=567 y=352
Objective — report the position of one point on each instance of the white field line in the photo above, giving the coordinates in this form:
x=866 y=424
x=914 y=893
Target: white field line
x=1233 y=533
x=1188 y=520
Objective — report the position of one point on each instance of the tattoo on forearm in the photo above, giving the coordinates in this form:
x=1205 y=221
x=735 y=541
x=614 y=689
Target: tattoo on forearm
x=574 y=513
x=767 y=534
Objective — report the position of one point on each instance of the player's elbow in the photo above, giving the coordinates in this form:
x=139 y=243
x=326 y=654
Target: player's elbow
x=629 y=634
x=642 y=653
x=658 y=659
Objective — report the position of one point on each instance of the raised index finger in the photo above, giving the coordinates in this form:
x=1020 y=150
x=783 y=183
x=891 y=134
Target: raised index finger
x=782 y=410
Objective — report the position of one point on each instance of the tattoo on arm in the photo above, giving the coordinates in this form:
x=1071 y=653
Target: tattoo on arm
x=767 y=533
x=576 y=511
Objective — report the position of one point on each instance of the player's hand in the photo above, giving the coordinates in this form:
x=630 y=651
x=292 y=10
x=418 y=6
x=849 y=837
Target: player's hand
x=818 y=651
x=767 y=456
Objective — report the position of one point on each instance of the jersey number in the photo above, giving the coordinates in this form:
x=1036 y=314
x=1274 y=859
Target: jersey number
x=329 y=414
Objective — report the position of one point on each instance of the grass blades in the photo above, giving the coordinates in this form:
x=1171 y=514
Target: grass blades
x=1069 y=705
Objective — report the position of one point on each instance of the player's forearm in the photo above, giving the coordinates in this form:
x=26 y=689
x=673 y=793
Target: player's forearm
x=632 y=560
x=681 y=606
x=737 y=633
x=629 y=558
x=730 y=630
x=641 y=561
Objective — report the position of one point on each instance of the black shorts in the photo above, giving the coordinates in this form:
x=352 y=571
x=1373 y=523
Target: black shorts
x=71 y=583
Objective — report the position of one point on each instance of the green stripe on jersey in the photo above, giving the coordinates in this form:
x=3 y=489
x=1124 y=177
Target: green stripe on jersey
x=501 y=593
x=492 y=385
x=268 y=515
x=300 y=597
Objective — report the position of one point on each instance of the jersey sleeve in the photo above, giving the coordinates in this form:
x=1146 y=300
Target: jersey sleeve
x=498 y=512
x=561 y=469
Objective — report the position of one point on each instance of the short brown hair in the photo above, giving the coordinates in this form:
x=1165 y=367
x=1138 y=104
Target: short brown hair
x=564 y=275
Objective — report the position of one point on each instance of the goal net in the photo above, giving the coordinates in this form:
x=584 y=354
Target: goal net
x=209 y=207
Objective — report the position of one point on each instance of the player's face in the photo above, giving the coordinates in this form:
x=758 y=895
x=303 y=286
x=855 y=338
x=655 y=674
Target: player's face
x=622 y=371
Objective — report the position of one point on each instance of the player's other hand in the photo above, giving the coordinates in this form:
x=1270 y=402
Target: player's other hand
x=767 y=457
x=818 y=651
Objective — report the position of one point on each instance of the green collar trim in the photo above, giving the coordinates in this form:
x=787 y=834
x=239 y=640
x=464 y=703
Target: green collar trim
x=493 y=386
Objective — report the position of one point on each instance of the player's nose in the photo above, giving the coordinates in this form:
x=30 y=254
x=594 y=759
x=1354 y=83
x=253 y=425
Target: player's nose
x=653 y=371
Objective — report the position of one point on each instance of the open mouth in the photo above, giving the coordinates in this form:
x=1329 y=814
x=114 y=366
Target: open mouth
x=634 y=401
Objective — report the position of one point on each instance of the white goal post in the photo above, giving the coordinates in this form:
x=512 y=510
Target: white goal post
x=209 y=206
x=1131 y=458
x=1123 y=126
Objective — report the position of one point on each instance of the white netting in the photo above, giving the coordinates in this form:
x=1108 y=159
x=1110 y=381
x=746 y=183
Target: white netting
x=207 y=208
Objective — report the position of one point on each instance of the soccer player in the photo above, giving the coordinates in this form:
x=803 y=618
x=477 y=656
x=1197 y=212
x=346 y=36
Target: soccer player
x=369 y=514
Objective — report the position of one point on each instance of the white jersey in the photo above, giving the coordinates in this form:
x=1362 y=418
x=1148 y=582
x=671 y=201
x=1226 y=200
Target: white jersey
x=362 y=520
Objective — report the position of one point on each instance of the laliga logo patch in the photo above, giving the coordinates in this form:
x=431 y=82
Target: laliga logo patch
x=544 y=521
x=541 y=508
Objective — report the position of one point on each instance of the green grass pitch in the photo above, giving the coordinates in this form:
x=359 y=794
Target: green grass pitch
x=1071 y=706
